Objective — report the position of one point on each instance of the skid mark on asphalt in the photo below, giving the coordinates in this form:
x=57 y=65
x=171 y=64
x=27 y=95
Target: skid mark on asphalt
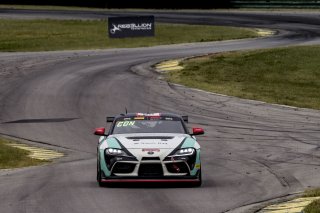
x=38 y=153
x=292 y=206
x=47 y=120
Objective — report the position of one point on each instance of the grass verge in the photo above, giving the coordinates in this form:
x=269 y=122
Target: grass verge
x=70 y=8
x=312 y=193
x=313 y=207
x=48 y=35
x=11 y=157
x=48 y=7
x=287 y=76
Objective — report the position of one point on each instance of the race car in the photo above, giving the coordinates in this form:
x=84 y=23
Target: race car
x=141 y=147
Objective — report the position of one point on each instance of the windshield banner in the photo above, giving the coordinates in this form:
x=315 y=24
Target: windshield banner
x=134 y=26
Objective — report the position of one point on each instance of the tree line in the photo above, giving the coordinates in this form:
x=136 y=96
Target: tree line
x=156 y=4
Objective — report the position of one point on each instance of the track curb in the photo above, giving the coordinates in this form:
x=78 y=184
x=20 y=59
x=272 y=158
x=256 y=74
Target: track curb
x=292 y=206
x=36 y=152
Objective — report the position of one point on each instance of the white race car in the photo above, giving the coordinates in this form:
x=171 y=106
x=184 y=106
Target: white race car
x=148 y=148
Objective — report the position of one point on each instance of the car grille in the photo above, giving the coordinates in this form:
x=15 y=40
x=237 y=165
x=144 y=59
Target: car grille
x=150 y=158
x=177 y=167
x=150 y=169
x=123 y=168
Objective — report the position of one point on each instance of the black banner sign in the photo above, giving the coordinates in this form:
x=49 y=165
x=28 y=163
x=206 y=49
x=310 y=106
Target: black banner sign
x=135 y=26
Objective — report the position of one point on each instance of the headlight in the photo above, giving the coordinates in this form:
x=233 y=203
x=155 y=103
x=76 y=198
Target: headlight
x=186 y=151
x=112 y=151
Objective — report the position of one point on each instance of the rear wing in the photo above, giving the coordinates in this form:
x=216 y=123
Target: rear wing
x=110 y=119
x=185 y=118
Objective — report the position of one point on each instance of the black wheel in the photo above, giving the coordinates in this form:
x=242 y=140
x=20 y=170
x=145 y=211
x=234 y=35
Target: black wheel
x=199 y=183
x=99 y=175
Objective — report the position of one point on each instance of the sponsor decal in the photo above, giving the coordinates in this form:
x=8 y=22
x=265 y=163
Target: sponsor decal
x=125 y=123
x=154 y=117
x=114 y=29
x=151 y=143
x=151 y=150
x=148 y=115
x=134 y=26
x=138 y=118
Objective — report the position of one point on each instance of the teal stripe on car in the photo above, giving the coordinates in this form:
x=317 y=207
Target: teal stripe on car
x=113 y=143
x=102 y=138
x=103 y=165
x=189 y=142
x=195 y=170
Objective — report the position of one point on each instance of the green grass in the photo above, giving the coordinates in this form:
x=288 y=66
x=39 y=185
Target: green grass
x=11 y=157
x=312 y=193
x=44 y=7
x=314 y=207
x=289 y=76
x=48 y=35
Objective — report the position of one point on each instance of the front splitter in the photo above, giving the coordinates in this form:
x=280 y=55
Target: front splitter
x=150 y=181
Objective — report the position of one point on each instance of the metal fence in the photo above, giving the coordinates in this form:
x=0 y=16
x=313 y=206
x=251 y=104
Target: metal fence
x=275 y=3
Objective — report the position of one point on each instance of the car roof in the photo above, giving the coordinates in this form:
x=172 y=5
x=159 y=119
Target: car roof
x=151 y=115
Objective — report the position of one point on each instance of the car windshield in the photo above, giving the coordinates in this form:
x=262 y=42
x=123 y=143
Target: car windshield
x=148 y=125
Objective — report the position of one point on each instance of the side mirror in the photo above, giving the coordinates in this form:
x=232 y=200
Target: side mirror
x=197 y=131
x=185 y=118
x=110 y=119
x=100 y=131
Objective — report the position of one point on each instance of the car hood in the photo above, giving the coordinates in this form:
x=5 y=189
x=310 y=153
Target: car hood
x=141 y=141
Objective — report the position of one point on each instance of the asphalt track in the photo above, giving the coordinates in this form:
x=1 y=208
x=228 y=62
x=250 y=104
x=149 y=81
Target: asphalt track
x=252 y=151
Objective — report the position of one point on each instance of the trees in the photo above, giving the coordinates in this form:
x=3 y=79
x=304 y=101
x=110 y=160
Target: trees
x=157 y=4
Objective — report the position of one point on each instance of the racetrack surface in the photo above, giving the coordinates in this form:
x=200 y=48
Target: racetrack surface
x=251 y=152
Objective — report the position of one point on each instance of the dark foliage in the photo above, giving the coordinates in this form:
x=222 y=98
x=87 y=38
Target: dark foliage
x=172 y=4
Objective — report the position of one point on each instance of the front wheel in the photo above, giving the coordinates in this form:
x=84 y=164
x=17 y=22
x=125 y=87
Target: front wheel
x=99 y=176
x=199 y=183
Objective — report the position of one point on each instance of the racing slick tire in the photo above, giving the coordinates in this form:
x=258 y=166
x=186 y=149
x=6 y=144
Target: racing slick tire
x=199 y=183
x=101 y=184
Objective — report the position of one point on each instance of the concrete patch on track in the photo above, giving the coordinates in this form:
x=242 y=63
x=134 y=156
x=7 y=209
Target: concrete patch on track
x=293 y=206
x=38 y=153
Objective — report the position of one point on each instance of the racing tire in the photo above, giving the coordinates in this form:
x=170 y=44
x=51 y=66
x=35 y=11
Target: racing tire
x=101 y=184
x=199 y=183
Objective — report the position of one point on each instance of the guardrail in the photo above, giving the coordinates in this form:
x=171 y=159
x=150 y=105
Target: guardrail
x=275 y=3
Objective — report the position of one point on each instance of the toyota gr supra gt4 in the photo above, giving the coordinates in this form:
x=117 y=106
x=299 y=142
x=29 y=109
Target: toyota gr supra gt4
x=148 y=148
